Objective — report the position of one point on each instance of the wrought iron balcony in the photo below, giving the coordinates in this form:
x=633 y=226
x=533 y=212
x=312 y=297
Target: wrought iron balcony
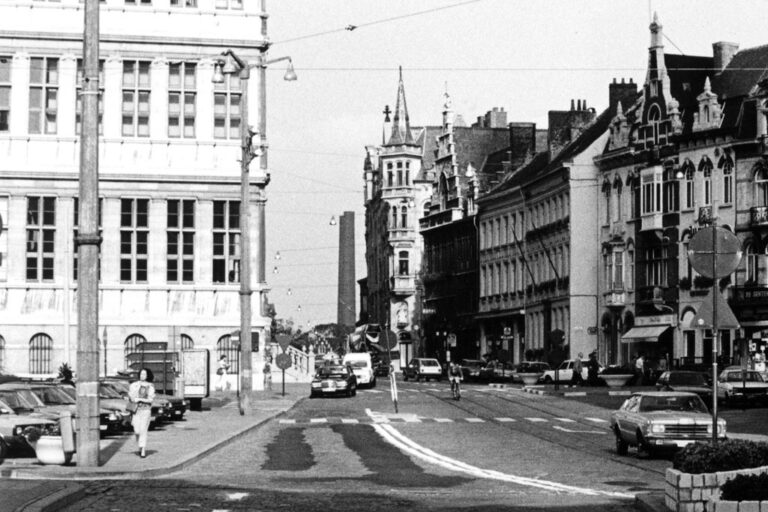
x=405 y=284
x=616 y=298
x=758 y=216
x=652 y=221
x=705 y=215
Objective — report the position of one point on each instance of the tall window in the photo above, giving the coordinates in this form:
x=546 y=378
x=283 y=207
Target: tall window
x=5 y=93
x=408 y=173
x=40 y=348
x=131 y=346
x=76 y=224
x=180 y=241
x=226 y=108
x=399 y=174
x=751 y=262
x=708 y=185
x=136 y=98
x=226 y=241
x=482 y=282
x=134 y=235
x=402 y=263
x=654 y=120
x=186 y=342
x=393 y=223
x=79 y=96
x=727 y=183
x=43 y=94
x=182 y=99
x=689 y=175
x=41 y=233
x=226 y=347
x=390 y=176
x=404 y=217
x=656 y=266
x=651 y=192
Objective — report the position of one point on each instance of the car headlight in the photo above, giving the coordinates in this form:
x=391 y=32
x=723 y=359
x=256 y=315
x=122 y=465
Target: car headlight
x=341 y=384
x=186 y=403
x=316 y=384
x=112 y=416
x=657 y=428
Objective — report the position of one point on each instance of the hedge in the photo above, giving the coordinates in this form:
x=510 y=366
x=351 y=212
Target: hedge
x=746 y=488
x=726 y=455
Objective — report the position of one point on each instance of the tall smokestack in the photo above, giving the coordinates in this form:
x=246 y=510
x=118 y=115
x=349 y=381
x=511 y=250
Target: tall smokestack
x=346 y=304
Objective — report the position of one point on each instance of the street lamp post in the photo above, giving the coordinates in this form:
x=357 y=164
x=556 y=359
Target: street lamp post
x=231 y=64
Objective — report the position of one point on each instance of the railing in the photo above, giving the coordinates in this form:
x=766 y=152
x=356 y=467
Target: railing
x=652 y=221
x=758 y=216
x=615 y=298
x=406 y=283
x=705 y=215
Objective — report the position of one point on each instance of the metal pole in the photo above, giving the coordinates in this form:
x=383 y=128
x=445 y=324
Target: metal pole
x=88 y=241
x=246 y=384
x=715 y=330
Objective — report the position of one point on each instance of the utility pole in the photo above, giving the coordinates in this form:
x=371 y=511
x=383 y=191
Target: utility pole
x=87 y=242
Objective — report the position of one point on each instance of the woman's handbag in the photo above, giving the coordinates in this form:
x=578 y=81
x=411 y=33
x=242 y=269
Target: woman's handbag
x=220 y=371
x=132 y=407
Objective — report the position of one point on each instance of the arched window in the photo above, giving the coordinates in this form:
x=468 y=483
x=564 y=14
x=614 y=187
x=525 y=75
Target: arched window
x=402 y=263
x=40 y=348
x=226 y=347
x=751 y=263
x=399 y=174
x=654 y=119
x=705 y=111
x=186 y=342
x=2 y=353
x=761 y=186
x=408 y=173
x=688 y=174
x=728 y=183
x=393 y=224
x=706 y=167
x=425 y=209
x=130 y=346
x=404 y=217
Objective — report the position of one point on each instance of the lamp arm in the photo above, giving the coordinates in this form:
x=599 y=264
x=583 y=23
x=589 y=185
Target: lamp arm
x=272 y=61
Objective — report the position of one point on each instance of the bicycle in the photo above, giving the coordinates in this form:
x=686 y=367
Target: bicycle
x=456 y=388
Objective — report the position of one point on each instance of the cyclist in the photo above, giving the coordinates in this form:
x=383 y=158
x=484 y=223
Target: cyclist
x=454 y=375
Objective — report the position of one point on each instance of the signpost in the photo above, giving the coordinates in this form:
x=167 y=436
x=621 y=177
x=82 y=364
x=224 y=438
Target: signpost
x=283 y=361
x=715 y=253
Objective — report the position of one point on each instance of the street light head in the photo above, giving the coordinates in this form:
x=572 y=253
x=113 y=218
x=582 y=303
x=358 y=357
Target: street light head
x=290 y=73
x=230 y=65
x=218 y=76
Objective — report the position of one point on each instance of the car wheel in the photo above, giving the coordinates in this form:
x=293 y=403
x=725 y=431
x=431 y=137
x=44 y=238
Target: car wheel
x=420 y=378
x=439 y=379
x=726 y=399
x=548 y=380
x=3 y=449
x=373 y=382
x=354 y=390
x=621 y=445
x=643 y=446
x=405 y=377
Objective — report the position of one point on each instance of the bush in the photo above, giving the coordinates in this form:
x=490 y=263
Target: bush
x=727 y=455
x=746 y=488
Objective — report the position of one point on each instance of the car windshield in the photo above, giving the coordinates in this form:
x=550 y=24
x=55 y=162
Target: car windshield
x=687 y=379
x=119 y=387
x=30 y=397
x=16 y=401
x=358 y=364
x=332 y=372
x=750 y=377
x=53 y=396
x=106 y=391
x=429 y=362
x=673 y=403
x=471 y=364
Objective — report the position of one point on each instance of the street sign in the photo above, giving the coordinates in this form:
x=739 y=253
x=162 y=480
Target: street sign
x=451 y=340
x=283 y=361
x=725 y=317
x=284 y=341
x=701 y=255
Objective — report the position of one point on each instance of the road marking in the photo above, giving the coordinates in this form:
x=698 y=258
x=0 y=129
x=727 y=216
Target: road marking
x=443 y=420
x=289 y=422
x=349 y=420
x=411 y=419
x=505 y=420
x=318 y=420
x=597 y=420
x=236 y=496
x=474 y=420
x=558 y=427
x=392 y=436
x=566 y=420
x=536 y=420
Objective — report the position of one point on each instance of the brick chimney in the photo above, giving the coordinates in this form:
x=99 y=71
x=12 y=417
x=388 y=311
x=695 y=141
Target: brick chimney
x=623 y=92
x=723 y=52
x=566 y=125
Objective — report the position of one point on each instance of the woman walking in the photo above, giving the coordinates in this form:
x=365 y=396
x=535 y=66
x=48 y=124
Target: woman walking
x=141 y=393
x=221 y=374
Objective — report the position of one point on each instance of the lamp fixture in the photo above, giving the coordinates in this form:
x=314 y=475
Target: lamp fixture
x=275 y=271
x=218 y=76
x=289 y=292
x=679 y=174
x=277 y=255
x=333 y=220
x=290 y=73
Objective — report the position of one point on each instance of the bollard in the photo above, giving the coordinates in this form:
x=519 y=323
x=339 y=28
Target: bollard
x=67 y=432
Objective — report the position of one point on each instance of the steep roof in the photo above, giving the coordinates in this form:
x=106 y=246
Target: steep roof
x=747 y=68
x=401 y=126
x=687 y=74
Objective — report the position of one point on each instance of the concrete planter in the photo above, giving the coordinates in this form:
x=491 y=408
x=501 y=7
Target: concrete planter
x=529 y=379
x=686 y=492
x=616 y=381
x=716 y=505
x=49 y=450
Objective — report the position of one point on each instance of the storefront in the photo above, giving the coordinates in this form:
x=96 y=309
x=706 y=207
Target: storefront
x=651 y=336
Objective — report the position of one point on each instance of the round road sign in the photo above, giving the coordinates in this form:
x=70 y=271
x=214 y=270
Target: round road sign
x=701 y=253
x=283 y=361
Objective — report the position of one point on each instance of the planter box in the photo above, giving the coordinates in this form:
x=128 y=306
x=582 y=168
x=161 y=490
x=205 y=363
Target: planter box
x=616 y=381
x=49 y=450
x=686 y=492
x=715 y=505
x=529 y=379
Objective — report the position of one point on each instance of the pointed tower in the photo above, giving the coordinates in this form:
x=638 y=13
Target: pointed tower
x=401 y=125
x=657 y=79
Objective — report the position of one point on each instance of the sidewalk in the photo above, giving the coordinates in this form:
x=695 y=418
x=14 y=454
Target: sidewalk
x=28 y=485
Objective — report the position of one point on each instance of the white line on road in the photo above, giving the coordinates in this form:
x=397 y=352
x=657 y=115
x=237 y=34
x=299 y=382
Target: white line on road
x=566 y=420
x=505 y=420
x=349 y=420
x=318 y=420
x=391 y=435
x=287 y=422
x=443 y=420
x=474 y=420
x=601 y=432
x=597 y=420
x=536 y=420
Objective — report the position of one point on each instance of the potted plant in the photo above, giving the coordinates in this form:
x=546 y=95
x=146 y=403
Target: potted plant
x=48 y=445
x=616 y=376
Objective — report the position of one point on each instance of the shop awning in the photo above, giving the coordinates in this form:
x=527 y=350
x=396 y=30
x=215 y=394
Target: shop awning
x=646 y=333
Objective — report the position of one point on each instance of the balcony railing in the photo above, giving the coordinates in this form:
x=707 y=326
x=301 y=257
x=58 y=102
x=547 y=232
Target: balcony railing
x=705 y=215
x=616 y=298
x=403 y=284
x=652 y=221
x=758 y=216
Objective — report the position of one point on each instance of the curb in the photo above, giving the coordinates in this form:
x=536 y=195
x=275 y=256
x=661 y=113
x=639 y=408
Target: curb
x=650 y=502
x=55 y=500
x=135 y=475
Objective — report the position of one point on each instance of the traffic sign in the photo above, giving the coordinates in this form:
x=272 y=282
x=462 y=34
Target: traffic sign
x=701 y=254
x=283 y=361
x=284 y=341
x=725 y=317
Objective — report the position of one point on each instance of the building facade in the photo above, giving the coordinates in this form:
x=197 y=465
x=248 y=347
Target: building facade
x=169 y=180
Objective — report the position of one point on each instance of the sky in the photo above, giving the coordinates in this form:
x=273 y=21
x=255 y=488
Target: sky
x=528 y=57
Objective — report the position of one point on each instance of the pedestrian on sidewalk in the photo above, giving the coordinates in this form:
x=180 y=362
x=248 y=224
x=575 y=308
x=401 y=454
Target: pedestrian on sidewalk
x=141 y=393
x=576 y=377
x=221 y=374
x=639 y=367
x=593 y=367
x=267 y=374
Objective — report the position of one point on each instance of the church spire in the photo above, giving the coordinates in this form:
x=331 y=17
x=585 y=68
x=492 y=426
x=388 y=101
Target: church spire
x=401 y=126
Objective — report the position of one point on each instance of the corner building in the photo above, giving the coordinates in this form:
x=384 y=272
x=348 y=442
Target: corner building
x=169 y=174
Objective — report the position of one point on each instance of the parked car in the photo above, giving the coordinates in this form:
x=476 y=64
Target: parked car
x=497 y=371
x=117 y=386
x=362 y=366
x=564 y=372
x=741 y=385
x=529 y=367
x=691 y=382
x=333 y=380
x=16 y=430
x=381 y=368
x=422 y=368
x=470 y=369
x=56 y=398
x=656 y=420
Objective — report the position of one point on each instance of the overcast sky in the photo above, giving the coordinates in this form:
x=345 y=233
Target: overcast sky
x=527 y=57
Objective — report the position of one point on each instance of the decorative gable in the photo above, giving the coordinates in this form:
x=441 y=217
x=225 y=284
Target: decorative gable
x=710 y=113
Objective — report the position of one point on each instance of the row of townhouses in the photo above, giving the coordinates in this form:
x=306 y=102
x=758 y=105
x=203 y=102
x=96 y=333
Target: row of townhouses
x=169 y=189
x=500 y=238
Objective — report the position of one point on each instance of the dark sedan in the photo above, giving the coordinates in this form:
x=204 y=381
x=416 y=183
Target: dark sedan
x=687 y=381
x=333 y=380
x=470 y=369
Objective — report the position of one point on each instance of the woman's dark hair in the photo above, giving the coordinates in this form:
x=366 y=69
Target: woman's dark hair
x=150 y=375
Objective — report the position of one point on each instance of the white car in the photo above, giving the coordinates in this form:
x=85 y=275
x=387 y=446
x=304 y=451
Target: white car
x=423 y=368
x=732 y=385
x=565 y=372
x=362 y=367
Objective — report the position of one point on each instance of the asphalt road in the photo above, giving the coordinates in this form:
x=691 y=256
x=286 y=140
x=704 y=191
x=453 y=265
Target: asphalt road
x=495 y=449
